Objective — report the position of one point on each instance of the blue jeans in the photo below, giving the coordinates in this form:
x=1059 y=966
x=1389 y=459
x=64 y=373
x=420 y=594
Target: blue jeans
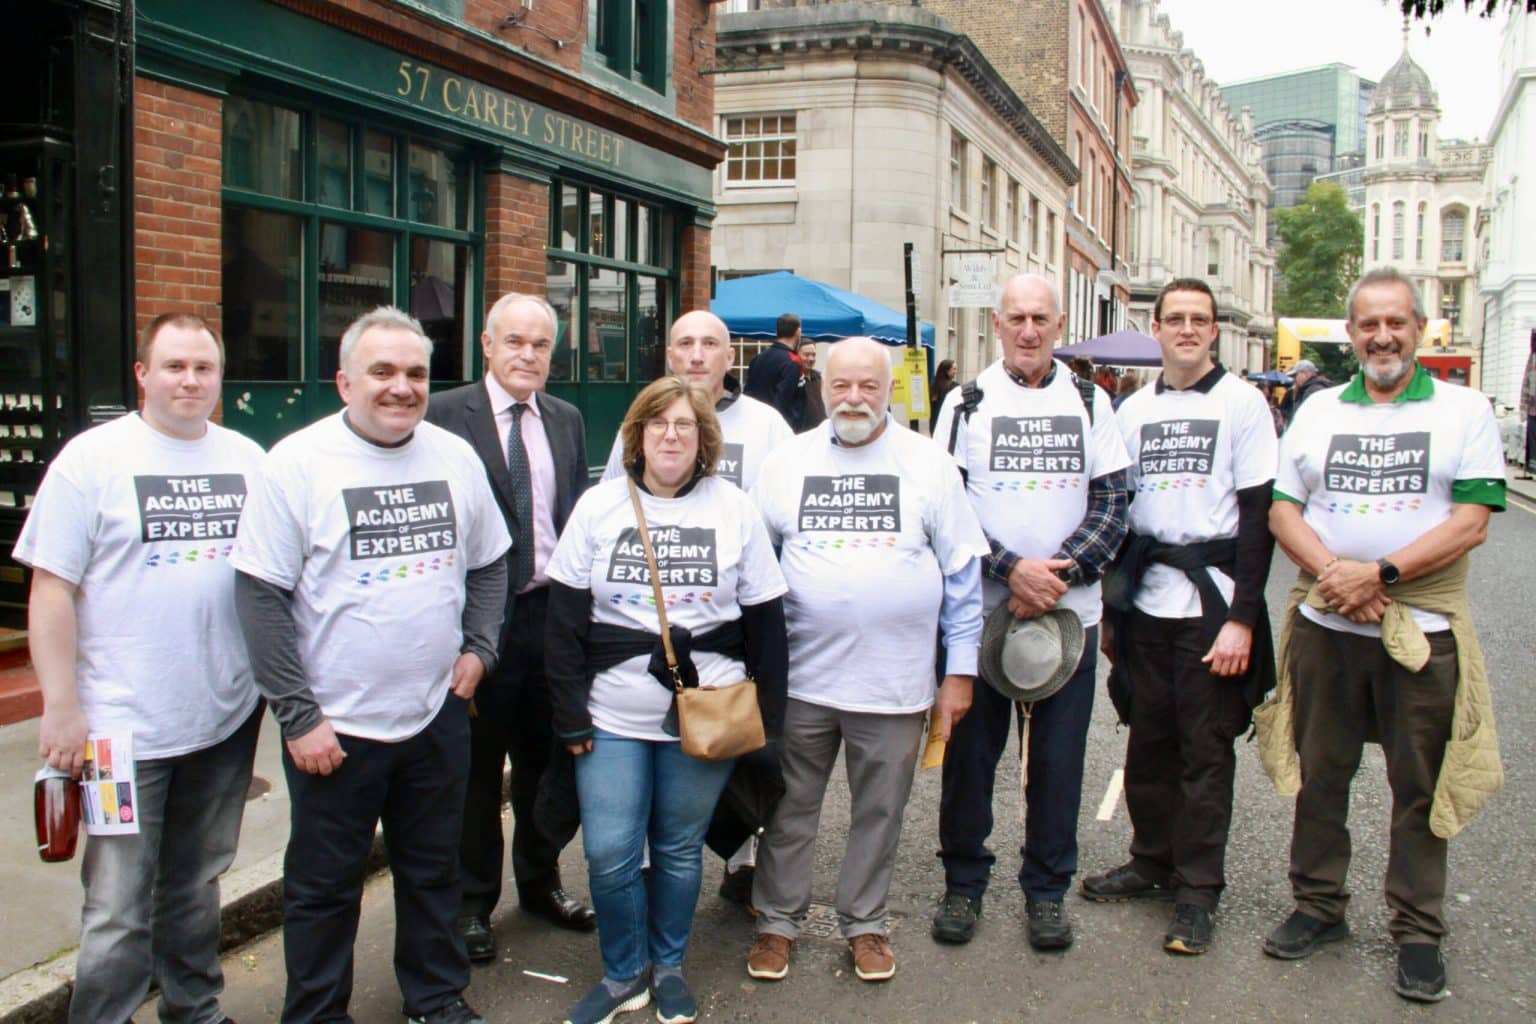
x=1053 y=793
x=634 y=790
x=152 y=898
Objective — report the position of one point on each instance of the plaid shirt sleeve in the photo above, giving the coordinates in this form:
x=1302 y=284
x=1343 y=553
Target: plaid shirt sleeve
x=1095 y=542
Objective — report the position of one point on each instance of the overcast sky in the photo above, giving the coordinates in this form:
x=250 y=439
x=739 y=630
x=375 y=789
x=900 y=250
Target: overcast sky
x=1240 y=39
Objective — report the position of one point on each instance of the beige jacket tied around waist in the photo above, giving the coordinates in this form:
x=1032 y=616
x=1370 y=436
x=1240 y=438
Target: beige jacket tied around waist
x=1471 y=772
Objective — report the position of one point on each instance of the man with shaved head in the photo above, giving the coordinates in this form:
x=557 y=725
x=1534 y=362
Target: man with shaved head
x=880 y=549
x=537 y=471
x=1045 y=468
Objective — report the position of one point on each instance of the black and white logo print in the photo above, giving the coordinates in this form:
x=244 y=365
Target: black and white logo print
x=729 y=466
x=685 y=557
x=1171 y=447
x=403 y=519
x=189 y=507
x=1378 y=463
x=859 y=503
x=1037 y=444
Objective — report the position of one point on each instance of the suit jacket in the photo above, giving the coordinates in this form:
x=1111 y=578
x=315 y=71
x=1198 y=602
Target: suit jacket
x=466 y=411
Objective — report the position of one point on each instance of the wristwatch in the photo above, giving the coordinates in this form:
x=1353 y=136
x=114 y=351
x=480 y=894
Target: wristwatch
x=1387 y=572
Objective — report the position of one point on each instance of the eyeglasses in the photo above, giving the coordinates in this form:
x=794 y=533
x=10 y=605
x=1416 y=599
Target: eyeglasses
x=1176 y=320
x=657 y=427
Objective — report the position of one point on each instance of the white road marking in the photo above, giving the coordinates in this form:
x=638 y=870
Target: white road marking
x=557 y=979
x=1112 y=795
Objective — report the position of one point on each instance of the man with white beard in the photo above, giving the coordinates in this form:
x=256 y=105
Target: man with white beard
x=880 y=549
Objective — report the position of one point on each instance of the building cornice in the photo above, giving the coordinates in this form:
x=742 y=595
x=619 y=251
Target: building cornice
x=809 y=32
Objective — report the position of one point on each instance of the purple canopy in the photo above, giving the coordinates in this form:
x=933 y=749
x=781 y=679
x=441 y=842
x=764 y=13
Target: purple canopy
x=1122 y=348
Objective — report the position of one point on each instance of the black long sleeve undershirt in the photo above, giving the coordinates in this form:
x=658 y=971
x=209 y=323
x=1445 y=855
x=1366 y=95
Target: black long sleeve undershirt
x=1255 y=550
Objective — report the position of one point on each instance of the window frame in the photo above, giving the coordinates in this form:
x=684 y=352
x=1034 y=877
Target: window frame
x=763 y=138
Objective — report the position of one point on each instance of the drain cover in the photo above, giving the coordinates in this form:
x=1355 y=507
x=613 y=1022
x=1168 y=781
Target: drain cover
x=821 y=923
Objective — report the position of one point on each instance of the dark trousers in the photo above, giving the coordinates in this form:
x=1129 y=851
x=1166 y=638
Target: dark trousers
x=1179 y=763
x=1053 y=792
x=1346 y=687
x=416 y=787
x=513 y=720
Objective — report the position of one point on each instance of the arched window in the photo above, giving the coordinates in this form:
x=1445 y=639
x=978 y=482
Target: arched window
x=1399 y=216
x=1418 y=236
x=1453 y=235
x=1375 y=231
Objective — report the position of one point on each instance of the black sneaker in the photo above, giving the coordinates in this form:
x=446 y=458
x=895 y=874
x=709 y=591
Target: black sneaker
x=955 y=920
x=1048 y=925
x=456 y=1012
x=1301 y=934
x=1420 y=972
x=1190 y=932
x=1117 y=885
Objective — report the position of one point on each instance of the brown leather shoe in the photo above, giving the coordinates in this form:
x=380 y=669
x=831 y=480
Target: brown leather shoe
x=768 y=960
x=872 y=957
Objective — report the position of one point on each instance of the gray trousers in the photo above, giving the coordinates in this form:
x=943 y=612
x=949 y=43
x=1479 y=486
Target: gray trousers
x=152 y=898
x=881 y=755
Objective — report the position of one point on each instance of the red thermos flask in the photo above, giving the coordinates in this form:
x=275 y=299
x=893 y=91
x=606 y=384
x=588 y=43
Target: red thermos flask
x=56 y=811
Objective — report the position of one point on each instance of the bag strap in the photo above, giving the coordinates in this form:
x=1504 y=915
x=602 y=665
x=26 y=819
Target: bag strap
x=1085 y=389
x=970 y=400
x=650 y=561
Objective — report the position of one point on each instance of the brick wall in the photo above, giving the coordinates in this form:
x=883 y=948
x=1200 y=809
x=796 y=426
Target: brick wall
x=1027 y=42
x=565 y=20
x=516 y=229
x=694 y=291
x=178 y=169
x=694 y=50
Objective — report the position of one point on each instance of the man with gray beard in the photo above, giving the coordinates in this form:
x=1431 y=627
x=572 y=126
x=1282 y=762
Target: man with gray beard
x=880 y=549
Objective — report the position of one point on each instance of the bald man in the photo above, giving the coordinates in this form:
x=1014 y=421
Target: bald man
x=880 y=549
x=699 y=349
x=1045 y=469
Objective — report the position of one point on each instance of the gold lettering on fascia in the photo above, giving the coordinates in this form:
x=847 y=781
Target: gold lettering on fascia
x=510 y=115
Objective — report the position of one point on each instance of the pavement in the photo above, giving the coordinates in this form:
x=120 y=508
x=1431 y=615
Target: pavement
x=1115 y=972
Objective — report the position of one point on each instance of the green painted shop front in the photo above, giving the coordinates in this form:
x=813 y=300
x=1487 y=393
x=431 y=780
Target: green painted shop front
x=356 y=175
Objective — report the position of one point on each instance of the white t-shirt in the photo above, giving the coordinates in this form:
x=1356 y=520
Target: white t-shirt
x=1029 y=455
x=1372 y=477
x=868 y=535
x=714 y=557
x=750 y=430
x=1192 y=451
x=375 y=543
x=143 y=525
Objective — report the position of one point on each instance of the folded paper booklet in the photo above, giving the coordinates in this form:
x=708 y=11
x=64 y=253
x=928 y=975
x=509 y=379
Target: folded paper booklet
x=109 y=801
x=933 y=749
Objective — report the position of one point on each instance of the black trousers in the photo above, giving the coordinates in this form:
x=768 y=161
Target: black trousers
x=416 y=787
x=513 y=720
x=1179 y=763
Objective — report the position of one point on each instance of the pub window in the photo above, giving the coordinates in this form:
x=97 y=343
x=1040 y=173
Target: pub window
x=631 y=35
x=324 y=218
x=610 y=276
x=760 y=150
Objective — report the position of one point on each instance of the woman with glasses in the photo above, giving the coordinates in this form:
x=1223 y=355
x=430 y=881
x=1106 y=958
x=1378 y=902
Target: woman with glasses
x=612 y=691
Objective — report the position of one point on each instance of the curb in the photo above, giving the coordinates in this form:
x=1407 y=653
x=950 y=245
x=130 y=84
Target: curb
x=251 y=904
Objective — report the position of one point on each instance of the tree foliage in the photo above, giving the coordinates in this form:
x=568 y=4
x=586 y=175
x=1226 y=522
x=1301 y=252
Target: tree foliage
x=1321 y=244
x=1482 y=8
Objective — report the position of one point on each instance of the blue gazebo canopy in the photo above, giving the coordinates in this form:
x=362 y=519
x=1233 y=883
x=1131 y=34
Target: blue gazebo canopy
x=750 y=307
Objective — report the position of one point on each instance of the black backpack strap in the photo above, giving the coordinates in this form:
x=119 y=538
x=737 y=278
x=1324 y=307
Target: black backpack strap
x=1085 y=389
x=970 y=400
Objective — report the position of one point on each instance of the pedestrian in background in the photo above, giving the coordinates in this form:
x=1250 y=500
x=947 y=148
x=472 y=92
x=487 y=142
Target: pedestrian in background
x=534 y=450
x=1384 y=487
x=815 y=404
x=133 y=632
x=614 y=705
x=1186 y=626
x=371 y=587
x=1306 y=381
x=880 y=550
x=773 y=376
x=943 y=381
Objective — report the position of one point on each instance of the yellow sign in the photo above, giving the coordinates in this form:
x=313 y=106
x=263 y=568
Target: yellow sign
x=1290 y=332
x=910 y=388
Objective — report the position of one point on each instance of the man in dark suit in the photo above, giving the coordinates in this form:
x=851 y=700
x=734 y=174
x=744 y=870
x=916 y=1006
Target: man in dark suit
x=534 y=449
x=774 y=374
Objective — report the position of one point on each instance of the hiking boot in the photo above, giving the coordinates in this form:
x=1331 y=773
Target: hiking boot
x=1048 y=925
x=872 y=957
x=955 y=920
x=1117 y=885
x=768 y=960
x=456 y=1012
x=1420 y=972
x=1301 y=934
x=1190 y=932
